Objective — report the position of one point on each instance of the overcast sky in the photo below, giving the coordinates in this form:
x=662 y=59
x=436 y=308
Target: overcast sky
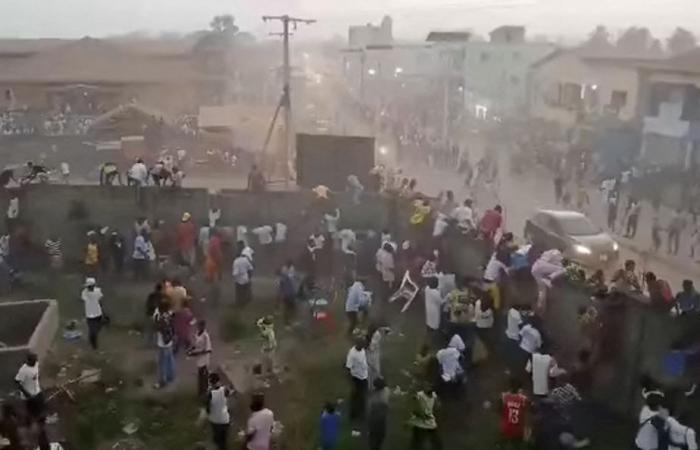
x=412 y=18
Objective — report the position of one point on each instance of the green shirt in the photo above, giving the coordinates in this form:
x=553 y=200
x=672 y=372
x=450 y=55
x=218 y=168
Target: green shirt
x=423 y=412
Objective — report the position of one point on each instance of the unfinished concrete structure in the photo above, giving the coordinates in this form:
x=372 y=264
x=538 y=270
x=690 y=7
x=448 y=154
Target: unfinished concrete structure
x=24 y=326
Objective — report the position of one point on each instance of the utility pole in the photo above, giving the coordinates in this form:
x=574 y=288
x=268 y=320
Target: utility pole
x=286 y=100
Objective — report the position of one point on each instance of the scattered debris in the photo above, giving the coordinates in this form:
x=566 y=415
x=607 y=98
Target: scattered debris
x=130 y=428
x=277 y=428
x=71 y=332
x=90 y=376
x=398 y=392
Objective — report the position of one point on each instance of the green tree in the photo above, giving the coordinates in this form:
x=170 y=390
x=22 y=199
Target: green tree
x=224 y=24
x=681 y=41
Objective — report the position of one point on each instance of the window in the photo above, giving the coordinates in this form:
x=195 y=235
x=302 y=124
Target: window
x=570 y=95
x=485 y=56
x=577 y=226
x=618 y=100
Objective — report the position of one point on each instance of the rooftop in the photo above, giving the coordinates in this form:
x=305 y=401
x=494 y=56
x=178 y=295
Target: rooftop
x=91 y=60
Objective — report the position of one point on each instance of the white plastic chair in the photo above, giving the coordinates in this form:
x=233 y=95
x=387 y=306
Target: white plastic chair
x=408 y=290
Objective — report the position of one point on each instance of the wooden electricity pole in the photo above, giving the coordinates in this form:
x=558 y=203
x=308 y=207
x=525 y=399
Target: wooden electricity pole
x=286 y=100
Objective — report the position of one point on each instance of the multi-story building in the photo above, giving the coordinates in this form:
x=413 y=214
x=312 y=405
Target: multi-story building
x=496 y=71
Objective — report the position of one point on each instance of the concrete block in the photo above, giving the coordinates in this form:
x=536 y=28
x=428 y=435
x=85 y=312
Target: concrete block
x=24 y=326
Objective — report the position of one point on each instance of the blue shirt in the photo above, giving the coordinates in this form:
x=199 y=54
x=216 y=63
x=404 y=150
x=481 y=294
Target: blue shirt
x=356 y=297
x=330 y=429
x=688 y=301
x=286 y=285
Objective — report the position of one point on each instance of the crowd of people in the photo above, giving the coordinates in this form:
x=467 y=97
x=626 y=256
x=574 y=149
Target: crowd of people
x=469 y=317
x=20 y=123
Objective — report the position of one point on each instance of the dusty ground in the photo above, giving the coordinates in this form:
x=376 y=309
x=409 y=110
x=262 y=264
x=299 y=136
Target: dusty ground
x=167 y=419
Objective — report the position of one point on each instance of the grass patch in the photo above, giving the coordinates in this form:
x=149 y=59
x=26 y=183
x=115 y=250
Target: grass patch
x=234 y=326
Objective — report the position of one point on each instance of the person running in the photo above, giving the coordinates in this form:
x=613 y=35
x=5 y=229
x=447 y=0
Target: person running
x=201 y=350
x=378 y=412
x=217 y=411
x=27 y=380
x=515 y=405
x=423 y=424
x=356 y=364
x=355 y=303
x=214 y=257
x=162 y=319
x=108 y=173
x=260 y=424
x=675 y=228
x=330 y=427
x=655 y=234
x=92 y=297
x=186 y=240
x=242 y=272
x=433 y=311
x=635 y=209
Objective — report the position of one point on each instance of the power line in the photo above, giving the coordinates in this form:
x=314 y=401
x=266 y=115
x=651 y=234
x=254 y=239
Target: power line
x=286 y=99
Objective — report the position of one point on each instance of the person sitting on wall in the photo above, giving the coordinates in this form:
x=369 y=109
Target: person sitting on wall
x=108 y=173
x=159 y=174
x=35 y=171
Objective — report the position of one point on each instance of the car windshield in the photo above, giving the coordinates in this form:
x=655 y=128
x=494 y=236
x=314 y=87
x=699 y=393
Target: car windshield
x=577 y=226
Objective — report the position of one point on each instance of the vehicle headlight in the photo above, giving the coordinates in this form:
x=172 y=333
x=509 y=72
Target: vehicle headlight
x=582 y=249
x=616 y=246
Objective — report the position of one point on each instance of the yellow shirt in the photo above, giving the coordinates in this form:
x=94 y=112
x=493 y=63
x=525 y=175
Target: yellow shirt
x=92 y=255
x=420 y=212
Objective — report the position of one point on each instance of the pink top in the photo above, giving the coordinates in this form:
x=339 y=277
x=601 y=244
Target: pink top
x=260 y=423
x=182 y=323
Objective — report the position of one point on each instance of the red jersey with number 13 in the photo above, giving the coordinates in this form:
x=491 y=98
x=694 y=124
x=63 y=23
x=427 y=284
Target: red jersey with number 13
x=513 y=418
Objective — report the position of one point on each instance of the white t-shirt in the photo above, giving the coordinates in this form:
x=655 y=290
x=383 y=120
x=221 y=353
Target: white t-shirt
x=65 y=169
x=248 y=253
x=28 y=377
x=202 y=343
x=540 y=366
x=241 y=269
x=433 y=308
x=241 y=233
x=280 y=232
x=218 y=406
x=260 y=424
x=93 y=308
x=483 y=319
x=214 y=216
x=332 y=222
x=449 y=363
x=530 y=338
x=464 y=216
x=457 y=342
x=514 y=320
x=494 y=270
x=347 y=240
x=440 y=226
x=13 y=208
x=139 y=172
x=647 y=437
x=264 y=234
x=681 y=434
x=356 y=362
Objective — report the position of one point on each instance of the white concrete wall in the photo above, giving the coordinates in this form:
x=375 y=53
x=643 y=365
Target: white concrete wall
x=498 y=73
x=569 y=68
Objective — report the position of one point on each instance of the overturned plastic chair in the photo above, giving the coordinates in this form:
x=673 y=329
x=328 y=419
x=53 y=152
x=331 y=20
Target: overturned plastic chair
x=408 y=290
